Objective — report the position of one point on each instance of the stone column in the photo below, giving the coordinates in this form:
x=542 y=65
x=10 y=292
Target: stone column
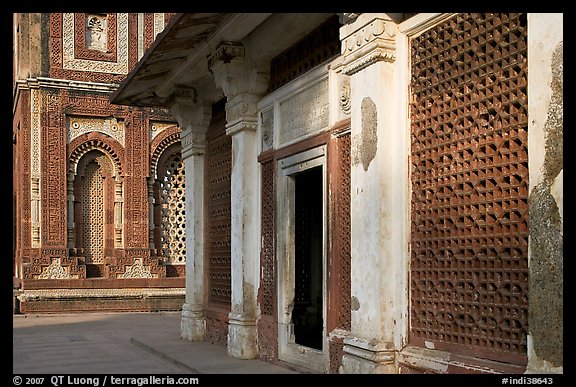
x=545 y=196
x=194 y=118
x=242 y=85
x=151 y=212
x=375 y=58
x=118 y=212
x=71 y=235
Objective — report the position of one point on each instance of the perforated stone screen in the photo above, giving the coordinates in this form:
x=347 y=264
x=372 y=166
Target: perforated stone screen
x=218 y=170
x=93 y=214
x=172 y=197
x=469 y=173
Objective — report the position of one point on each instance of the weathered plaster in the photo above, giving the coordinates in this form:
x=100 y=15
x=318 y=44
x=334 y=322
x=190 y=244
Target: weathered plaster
x=368 y=138
x=545 y=149
x=546 y=276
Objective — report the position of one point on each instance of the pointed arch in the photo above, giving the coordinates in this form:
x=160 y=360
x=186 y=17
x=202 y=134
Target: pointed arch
x=95 y=200
x=168 y=191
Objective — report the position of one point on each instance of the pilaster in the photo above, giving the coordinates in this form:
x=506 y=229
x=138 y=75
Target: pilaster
x=243 y=85
x=375 y=57
x=193 y=116
x=545 y=195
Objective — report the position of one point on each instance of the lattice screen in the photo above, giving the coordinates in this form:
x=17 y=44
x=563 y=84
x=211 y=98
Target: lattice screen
x=469 y=268
x=93 y=214
x=343 y=234
x=268 y=283
x=218 y=216
x=172 y=199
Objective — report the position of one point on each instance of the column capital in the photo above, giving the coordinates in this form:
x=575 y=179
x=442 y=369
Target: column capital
x=368 y=39
x=191 y=112
x=243 y=83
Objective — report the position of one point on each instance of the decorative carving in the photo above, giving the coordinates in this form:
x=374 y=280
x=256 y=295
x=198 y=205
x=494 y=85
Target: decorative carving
x=70 y=60
x=110 y=126
x=218 y=161
x=469 y=243
x=172 y=198
x=304 y=113
x=83 y=144
x=35 y=95
x=56 y=271
x=137 y=270
x=372 y=43
x=93 y=210
x=343 y=233
x=97 y=32
x=268 y=280
x=267 y=129
x=157 y=127
x=225 y=52
x=53 y=165
x=136 y=214
x=160 y=143
x=345 y=101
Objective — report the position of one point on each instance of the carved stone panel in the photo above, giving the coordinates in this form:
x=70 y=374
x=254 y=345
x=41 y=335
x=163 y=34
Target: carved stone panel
x=304 y=113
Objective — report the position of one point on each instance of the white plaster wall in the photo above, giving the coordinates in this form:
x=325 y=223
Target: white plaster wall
x=545 y=31
x=379 y=200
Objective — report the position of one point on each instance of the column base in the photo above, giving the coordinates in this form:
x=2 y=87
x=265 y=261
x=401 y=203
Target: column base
x=361 y=357
x=193 y=324
x=242 y=337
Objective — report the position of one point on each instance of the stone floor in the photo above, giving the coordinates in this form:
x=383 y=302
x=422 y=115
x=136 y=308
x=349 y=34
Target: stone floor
x=119 y=343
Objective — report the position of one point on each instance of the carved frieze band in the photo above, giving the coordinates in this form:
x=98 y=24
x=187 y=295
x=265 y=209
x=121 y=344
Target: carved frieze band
x=304 y=113
x=77 y=126
x=372 y=43
x=35 y=206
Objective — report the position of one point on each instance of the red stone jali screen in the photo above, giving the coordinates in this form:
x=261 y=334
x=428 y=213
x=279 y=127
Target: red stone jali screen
x=469 y=174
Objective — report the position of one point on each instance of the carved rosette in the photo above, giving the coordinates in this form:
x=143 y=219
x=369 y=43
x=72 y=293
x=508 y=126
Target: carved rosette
x=373 y=42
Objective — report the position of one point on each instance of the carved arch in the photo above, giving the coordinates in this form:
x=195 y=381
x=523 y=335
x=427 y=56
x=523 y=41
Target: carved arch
x=160 y=143
x=81 y=145
x=103 y=156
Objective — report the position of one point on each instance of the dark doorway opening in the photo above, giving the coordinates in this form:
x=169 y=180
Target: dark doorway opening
x=308 y=244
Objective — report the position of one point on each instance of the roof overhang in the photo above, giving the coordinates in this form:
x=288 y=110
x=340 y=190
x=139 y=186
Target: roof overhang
x=178 y=56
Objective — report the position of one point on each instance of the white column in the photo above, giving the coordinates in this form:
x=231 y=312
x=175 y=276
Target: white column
x=242 y=84
x=375 y=56
x=242 y=333
x=545 y=166
x=193 y=118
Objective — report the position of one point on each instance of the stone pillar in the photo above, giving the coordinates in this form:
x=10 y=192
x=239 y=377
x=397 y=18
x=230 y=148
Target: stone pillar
x=151 y=211
x=118 y=212
x=194 y=118
x=70 y=233
x=242 y=85
x=545 y=196
x=375 y=58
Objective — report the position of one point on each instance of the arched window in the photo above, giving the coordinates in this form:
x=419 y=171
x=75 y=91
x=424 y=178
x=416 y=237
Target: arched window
x=169 y=213
x=94 y=207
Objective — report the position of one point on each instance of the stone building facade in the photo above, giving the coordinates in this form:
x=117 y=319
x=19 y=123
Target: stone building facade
x=99 y=222
x=369 y=193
